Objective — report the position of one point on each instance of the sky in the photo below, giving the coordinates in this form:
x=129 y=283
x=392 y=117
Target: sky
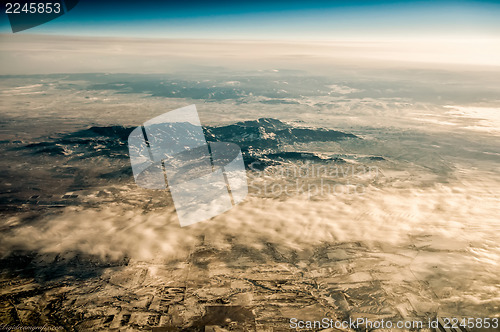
x=140 y=36
x=289 y=20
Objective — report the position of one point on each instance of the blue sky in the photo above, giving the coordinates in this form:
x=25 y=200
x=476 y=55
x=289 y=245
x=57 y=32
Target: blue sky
x=315 y=20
